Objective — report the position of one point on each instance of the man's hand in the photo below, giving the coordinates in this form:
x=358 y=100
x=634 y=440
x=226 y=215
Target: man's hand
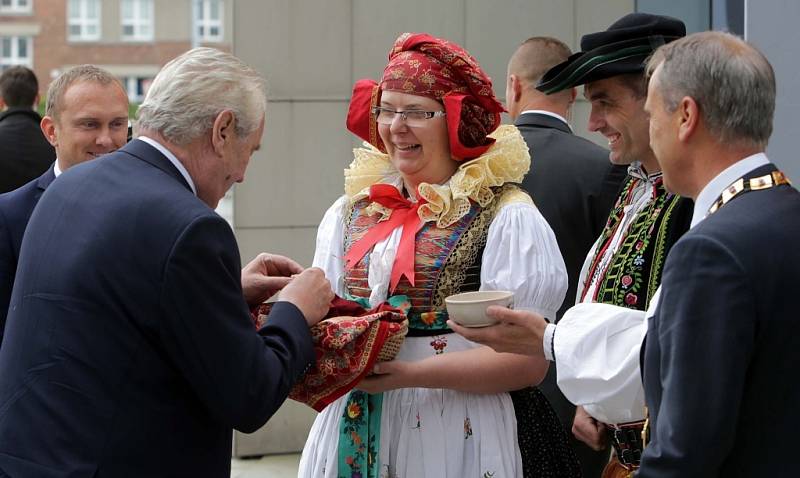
x=311 y=292
x=517 y=331
x=265 y=275
x=588 y=430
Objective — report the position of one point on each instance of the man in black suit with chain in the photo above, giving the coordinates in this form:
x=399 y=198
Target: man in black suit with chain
x=572 y=182
x=722 y=401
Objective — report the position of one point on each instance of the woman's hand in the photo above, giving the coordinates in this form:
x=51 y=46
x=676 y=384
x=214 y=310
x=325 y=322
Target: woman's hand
x=478 y=370
x=389 y=376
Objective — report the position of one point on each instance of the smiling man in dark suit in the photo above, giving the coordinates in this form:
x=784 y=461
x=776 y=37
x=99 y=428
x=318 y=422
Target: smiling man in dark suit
x=725 y=333
x=129 y=349
x=86 y=115
x=573 y=184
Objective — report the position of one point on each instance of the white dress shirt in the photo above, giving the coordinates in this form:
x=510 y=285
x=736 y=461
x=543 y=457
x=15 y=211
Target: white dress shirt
x=172 y=159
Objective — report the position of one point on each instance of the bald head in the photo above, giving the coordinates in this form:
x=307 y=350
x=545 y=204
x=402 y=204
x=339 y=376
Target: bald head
x=535 y=56
x=527 y=65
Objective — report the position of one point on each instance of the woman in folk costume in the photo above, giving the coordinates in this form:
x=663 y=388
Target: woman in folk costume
x=431 y=208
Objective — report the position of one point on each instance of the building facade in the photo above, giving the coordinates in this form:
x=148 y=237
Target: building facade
x=130 y=38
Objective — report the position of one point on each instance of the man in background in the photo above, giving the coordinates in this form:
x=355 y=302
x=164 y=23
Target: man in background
x=86 y=116
x=572 y=183
x=24 y=152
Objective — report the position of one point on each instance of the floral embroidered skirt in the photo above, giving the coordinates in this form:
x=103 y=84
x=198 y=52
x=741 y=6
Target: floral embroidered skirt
x=424 y=433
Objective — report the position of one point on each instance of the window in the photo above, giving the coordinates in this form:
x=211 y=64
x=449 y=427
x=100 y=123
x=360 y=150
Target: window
x=16 y=6
x=137 y=87
x=16 y=51
x=208 y=20
x=137 y=20
x=83 y=20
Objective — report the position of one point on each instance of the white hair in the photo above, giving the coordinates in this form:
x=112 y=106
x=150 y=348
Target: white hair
x=191 y=90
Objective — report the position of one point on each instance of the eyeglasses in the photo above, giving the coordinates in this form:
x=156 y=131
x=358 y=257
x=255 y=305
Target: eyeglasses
x=413 y=118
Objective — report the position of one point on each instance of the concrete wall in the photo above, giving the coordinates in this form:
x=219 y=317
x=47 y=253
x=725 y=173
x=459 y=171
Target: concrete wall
x=771 y=25
x=312 y=52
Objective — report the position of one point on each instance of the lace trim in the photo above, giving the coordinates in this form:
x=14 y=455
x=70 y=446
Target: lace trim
x=507 y=161
x=472 y=243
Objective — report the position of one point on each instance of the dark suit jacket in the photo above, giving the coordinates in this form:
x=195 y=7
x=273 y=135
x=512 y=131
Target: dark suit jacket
x=723 y=347
x=15 y=211
x=24 y=152
x=574 y=186
x=129 y=350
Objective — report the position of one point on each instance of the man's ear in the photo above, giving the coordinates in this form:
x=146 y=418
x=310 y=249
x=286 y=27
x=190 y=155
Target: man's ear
x=516 y=87
x=48 y=126
x=688 y=117
x=223 y=130
x=573 y=93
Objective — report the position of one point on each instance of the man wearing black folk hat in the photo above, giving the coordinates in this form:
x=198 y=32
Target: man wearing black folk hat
x=597 y=366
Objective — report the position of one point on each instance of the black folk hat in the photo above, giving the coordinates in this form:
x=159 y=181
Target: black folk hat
x=621 y=49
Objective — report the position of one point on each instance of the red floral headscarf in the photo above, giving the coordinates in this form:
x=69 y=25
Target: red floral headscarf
x=420 y=64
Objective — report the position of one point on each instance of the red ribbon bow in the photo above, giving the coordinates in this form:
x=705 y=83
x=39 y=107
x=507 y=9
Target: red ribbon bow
x=404 y=213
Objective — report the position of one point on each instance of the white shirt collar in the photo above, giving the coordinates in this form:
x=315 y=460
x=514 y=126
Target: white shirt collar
x=56 y=170
x=714 y=188
x=549 y=113
x=172 y=159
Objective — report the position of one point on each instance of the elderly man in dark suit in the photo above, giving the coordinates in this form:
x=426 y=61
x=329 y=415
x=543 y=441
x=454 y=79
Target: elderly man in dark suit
x=130 y=350
x=572 y=182
x=24 y=152
x=725 y=328
x=87 y=111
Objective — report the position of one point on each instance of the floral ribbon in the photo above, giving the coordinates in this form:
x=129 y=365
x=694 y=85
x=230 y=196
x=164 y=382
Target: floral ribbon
x=404 y=213
x=360 y=425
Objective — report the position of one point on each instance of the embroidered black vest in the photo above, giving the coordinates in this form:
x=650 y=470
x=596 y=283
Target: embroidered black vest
x=448 y=260
x=634 y=272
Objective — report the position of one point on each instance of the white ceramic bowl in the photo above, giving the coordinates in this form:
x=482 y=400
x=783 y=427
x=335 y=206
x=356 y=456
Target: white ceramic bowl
x=469 y=308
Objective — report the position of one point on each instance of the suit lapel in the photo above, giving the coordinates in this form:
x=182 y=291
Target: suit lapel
x=541 y=121
x=44 y=181
x=152 y=156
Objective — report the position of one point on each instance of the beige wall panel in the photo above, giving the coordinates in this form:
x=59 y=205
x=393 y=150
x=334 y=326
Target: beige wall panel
x=510 y=23
x=260 y=38
x=227 y=21
x=257 y=201
x=173 y=20
x=111 y=22
x=286 y=431
x=297 y=243
x=319 y=49
x=302 y=46
x=377 y=23
x=593 y=16
x=298 y=172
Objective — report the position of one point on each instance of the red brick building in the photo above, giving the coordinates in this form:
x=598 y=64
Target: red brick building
x=130 y=38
